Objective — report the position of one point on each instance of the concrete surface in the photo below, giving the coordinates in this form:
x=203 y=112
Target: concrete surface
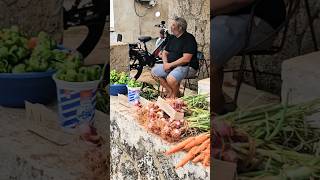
x=119 y=56
x=248 y=96
x=137 y=154
x=100 y=55
x=25 y=155
x=33 y=16
x=300 y=76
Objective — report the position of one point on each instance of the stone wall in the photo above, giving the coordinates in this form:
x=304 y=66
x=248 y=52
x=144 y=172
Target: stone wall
x=137 y=154
x=33 y=16
x=133 y=19
x=298 y=42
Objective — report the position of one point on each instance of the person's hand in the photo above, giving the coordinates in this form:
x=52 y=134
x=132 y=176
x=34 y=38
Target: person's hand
x=166 y=66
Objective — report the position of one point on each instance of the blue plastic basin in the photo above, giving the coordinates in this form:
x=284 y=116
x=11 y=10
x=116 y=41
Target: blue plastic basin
x=116 y=89
x=35 y=87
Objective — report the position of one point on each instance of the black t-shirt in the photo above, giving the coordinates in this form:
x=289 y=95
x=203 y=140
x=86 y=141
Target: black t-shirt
x=186 y=43
x=272 y=11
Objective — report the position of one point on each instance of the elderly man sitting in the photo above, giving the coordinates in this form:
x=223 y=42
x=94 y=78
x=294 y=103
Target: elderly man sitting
x=179 y=58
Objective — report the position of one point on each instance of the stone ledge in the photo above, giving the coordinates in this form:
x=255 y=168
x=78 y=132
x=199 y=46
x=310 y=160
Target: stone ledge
x=25 y=155
x=300 y=77
x=137 y=154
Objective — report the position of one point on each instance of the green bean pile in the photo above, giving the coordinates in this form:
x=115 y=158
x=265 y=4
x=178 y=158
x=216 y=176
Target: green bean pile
x=281 y=145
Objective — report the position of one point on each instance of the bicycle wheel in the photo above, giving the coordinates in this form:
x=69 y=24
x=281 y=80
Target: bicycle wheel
x=136 y=67
x=91 y=14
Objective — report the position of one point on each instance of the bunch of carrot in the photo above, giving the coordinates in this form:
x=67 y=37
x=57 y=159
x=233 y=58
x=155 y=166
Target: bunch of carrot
x=198 y=150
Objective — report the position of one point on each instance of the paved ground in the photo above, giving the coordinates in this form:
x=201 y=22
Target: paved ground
x=248 y=95
x=73 y=37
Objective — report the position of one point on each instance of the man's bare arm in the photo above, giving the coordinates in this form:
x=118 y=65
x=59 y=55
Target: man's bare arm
x=227 y=6
x=185 y=59
x=165 y=56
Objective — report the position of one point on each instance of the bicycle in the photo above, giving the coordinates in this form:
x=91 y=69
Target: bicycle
x=140 y=56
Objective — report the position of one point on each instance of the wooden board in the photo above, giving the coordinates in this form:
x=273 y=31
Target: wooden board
x=144 y=102
x=45 y=123
x=163 y=105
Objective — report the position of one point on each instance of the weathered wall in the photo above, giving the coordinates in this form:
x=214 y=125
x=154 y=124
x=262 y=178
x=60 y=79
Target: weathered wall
x=119 y=56
x=137 y=154
x=298 y=42
x=33 y=15
x=131 y=26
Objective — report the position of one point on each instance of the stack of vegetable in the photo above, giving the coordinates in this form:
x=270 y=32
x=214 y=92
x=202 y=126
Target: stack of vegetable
x=271 y=141
x=198 y=150
x=72 y=70
x=118 y=77
x=197 y=120
x=123 y=78
x=197 y=101
x=149 y=92
x=18 y=54
x=158 y=122
x=197 y=113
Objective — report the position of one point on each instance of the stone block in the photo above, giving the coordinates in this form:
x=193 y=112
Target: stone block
x=300 y=76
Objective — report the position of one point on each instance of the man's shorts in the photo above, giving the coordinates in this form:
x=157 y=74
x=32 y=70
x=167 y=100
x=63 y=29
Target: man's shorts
x=179 y=73
x=228 y=36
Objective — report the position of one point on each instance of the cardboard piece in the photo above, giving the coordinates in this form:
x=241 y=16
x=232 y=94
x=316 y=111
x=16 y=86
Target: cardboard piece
x=45 y=123
x=163 y=105
x=223 y=170
x=144 y=102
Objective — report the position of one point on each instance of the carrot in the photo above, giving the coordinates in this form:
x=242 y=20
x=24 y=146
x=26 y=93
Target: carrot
x=206 y=160
x=203 y=146
x=199 y=158
x=207 y=151
x=198 y=140
x=179 y=146
x=189 y=156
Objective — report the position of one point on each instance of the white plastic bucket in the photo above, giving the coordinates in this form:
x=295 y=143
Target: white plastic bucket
x=76 y=102
x=133 y=94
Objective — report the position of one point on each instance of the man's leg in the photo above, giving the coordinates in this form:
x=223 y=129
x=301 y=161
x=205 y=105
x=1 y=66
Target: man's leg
x=167 y=87
x=227 y=40
x=158 y=72
x=174 y=85
x=176 y=76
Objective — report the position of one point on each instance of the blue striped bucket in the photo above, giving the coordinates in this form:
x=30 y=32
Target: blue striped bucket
x=133 y=94
x=76 y=102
